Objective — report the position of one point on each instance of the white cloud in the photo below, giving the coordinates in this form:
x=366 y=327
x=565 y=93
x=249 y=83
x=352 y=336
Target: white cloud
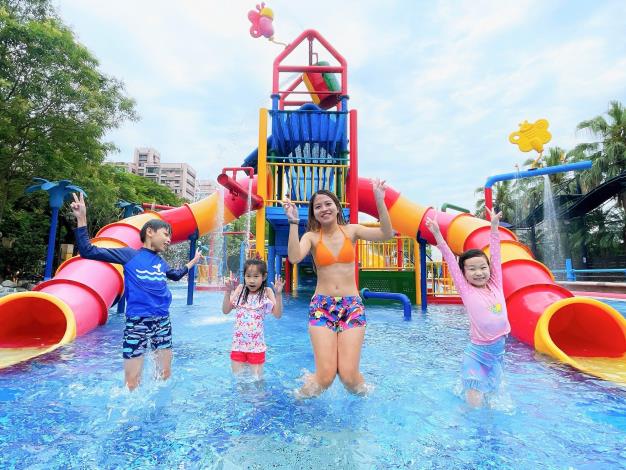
x=438 y=89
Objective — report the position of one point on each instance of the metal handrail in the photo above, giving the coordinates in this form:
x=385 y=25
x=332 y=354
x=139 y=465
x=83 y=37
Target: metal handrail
x=309 y=177
x=396 y=254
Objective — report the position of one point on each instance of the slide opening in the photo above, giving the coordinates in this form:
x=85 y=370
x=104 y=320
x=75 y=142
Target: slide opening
x=586 y=330
x=30 y=322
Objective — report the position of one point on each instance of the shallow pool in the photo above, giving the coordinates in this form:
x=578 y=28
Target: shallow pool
x=70 y=410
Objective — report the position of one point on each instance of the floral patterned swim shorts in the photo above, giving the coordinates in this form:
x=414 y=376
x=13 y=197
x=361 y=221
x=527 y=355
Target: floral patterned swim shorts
x=337 y=313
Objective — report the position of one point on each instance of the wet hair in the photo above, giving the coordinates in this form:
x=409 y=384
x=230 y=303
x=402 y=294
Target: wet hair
x=154 y=224
x=313 y=225
x=262 y=267
x=473 y=253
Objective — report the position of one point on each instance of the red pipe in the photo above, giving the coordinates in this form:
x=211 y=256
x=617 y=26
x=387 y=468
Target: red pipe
x=287 y=276
x=310 y=68
x=488 y=202
x=353 y=183
x=239 y=191
x=290 y=89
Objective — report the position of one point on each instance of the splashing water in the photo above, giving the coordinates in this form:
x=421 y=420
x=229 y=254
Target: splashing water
x=518 y=202
x=248 y=216
x=552 y=250
x=70 y=409
x=219 y=236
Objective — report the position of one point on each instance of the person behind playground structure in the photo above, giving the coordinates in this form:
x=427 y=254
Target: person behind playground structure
x=479 y=282
x=336 y=313
x=251 y=300
x=147 y=296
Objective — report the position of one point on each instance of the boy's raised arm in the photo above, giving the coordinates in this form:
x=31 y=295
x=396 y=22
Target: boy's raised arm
x=85 y=248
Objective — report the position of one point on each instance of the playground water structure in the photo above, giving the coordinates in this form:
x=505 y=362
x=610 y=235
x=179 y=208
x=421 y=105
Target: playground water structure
x=69 y=409
x=584 y=333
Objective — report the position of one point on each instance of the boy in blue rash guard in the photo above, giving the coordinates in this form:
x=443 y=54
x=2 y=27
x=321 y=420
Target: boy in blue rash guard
x=147 y=295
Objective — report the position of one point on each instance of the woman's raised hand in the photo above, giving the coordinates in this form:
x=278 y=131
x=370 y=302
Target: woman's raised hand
x=379 y=187
x=291 y=210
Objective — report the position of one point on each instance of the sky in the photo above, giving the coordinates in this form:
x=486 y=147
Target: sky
x=438 y=86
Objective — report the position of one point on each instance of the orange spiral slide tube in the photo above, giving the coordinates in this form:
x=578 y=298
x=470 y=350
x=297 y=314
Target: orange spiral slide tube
x=582 y=332
x=77 y=299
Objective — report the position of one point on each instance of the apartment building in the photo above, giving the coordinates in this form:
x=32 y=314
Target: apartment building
x=179 y=177
x=204 y=188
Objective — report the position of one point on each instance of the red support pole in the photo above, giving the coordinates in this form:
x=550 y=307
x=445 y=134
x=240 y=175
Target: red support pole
x=488 y=202
x=353 y=182
x=400 y=253
x=287 y=287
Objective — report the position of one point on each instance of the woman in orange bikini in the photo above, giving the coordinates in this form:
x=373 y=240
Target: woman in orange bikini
x=336 y=314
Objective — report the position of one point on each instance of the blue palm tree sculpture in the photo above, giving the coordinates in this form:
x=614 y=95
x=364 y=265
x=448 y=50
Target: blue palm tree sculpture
x=58 y=192
x=129 y=208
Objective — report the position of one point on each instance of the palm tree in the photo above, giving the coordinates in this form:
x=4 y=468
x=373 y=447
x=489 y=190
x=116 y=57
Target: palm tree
x=608 y=153
x=58 y=192
x=555 y=156
x=504 y=200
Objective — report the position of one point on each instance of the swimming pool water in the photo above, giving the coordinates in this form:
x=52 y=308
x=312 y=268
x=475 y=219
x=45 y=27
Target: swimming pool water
x=70 y=409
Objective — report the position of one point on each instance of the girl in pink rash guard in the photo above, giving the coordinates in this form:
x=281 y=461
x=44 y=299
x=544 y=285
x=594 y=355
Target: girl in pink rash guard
x=479 y=282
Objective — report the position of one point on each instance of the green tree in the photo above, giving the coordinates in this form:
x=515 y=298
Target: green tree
x=26 y=223
x=106 y=184
x=608 y=152
x=503 y=200
x=55 y=104
x=24 y=237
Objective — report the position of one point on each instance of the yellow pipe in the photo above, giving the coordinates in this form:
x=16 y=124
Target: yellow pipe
x=418 y=272
x=140 y=220
x=398 y=213
x=11 y=356
x=571 y=309
x=460 y=228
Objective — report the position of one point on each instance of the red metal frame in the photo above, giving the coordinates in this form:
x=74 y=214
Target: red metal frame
x=235 y=188
x=488 y=202
x=353 y=181
x=342 y=69
x=287 y=287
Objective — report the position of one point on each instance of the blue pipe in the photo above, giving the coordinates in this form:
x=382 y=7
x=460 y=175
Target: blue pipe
x=406 y=303
x=242 y=260
x=191 y=275
x=52 y=235
x=584 y=165
x=271 y=272
x=423 y=274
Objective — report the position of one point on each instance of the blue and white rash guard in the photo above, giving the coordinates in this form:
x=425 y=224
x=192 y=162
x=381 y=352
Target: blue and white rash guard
x=145 y=275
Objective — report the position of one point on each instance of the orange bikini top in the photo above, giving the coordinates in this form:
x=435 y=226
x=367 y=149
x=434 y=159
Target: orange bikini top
x=323 y=256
